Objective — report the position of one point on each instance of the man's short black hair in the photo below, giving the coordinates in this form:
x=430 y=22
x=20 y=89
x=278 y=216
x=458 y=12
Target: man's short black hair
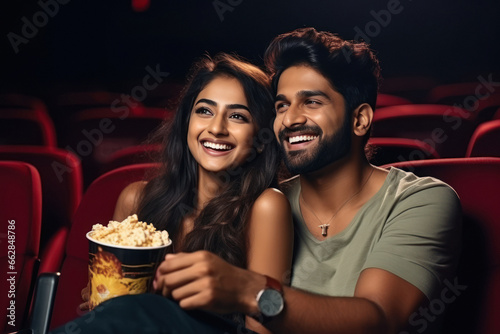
x=351 y=67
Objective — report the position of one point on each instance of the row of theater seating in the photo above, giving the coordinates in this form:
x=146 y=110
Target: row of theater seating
x=97 y=136
x=62 y=174
x=94 y=125
x=472 y=310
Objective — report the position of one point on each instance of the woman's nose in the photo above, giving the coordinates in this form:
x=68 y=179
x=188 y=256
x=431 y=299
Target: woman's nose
x=218 y=126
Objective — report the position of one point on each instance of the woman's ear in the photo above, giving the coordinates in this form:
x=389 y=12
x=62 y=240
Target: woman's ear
x=362 y=119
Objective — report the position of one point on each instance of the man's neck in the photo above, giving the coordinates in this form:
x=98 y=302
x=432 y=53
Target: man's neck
x=327 y=189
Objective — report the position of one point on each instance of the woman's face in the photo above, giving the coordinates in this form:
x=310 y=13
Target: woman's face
x=221 y=127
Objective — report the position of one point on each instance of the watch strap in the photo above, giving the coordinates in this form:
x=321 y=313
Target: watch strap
x=273 y=284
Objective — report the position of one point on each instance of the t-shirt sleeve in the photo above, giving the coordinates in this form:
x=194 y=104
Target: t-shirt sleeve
x=420 y=240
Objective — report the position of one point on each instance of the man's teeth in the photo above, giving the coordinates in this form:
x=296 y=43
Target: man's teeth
x=297 y=139
x=215 y=146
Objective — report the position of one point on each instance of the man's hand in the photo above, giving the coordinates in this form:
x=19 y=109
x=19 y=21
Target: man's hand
x=203 y=280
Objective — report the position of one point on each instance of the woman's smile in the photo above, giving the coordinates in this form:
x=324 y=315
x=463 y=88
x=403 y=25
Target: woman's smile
x=221 y=127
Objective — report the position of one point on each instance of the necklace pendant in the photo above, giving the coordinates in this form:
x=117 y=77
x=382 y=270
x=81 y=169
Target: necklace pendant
x=324 y=229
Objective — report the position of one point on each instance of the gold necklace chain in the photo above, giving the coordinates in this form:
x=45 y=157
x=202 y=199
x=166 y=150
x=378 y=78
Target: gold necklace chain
x=324 y=227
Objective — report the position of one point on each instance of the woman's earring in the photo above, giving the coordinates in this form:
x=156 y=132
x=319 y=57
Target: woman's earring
x=260 y=149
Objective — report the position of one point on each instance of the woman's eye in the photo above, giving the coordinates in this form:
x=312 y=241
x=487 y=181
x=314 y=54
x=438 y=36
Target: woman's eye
x=203 y=111
x=239 y=117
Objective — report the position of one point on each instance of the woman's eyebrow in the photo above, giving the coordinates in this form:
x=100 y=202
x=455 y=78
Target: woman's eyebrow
x=207 y=101
x=237 y=106
x=229 y=106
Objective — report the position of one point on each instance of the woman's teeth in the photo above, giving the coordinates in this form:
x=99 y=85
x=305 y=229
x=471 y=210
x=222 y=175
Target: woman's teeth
x=214 y=146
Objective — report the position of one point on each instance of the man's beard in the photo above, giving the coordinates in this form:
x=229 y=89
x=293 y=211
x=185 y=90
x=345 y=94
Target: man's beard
x=329 y=149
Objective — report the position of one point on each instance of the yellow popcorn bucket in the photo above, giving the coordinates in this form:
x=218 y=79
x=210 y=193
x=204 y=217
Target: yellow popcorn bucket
x=121 y=270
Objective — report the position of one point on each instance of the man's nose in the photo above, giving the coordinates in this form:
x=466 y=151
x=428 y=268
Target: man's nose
x=294 y=116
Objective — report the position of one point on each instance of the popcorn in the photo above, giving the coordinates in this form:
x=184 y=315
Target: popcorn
x=130 y=232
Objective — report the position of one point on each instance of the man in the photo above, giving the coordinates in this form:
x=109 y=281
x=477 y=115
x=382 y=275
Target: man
x=371 y=245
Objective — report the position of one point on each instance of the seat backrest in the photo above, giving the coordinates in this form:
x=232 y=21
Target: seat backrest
x=447 y=129
x=452 y=93
x=26 y=127
x=15 y=100
x=386 y=100
x=487 y=107
x=62 y=188
x=388 y=150
x=97 y=206
x=132 y=155
x=414 y=88
x=20 y=221
x=164 y=95
x=496 y=115
x=95 y=134
x=477 y=183
x=485 y=141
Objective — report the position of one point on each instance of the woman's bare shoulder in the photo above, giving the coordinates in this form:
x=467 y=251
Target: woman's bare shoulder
x=271 y=206
x=271 y=200
x=128 y=200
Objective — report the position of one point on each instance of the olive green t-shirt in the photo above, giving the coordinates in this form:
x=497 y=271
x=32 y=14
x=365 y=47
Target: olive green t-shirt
x=411 y=227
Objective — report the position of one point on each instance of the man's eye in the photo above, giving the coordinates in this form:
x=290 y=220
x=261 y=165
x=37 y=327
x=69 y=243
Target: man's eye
x=280 y=107
x=313 y=102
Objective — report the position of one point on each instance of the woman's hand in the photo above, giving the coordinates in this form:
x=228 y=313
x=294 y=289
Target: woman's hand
x=85 y=297
x=203 y=280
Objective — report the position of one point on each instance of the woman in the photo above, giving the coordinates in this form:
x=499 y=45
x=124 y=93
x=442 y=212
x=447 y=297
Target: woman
x=213 y=191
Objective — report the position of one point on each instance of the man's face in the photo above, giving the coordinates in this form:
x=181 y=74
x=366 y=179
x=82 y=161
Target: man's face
x=311 y=124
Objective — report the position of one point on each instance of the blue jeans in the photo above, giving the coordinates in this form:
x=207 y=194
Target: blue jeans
x=148 y=314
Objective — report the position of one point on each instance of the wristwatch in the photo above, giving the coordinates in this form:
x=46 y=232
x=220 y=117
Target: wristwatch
x=270 y=300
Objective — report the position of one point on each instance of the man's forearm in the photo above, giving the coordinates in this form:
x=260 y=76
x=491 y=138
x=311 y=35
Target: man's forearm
x=309 y=313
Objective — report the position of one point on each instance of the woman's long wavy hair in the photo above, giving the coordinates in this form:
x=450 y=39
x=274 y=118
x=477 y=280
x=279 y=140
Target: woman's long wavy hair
x=171 y=195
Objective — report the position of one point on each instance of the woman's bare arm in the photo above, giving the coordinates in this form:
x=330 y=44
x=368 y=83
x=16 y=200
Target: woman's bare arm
x=270 y=241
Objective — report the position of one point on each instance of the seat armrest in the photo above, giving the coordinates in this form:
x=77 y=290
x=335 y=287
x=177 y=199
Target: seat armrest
x=45 y=293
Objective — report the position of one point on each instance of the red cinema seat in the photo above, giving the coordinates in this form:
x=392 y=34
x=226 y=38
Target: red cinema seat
x=165 y=95
x=388 y=150
x=62 y=188
x=414 y=88
x=20 y=220
x=26 y=127
x=95 y=134
x=386 y=100
x=473 y=96
x=453 y=93
x=447 y=129
x=133 y=155
x=21 y=101
x=487 y=107
x=497 y=114
x=97 y=206
x=477 y=182
x=80 y=100
x=485 y=141
x=65 y=105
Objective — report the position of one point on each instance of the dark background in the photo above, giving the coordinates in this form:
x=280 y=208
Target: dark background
x=107 y=44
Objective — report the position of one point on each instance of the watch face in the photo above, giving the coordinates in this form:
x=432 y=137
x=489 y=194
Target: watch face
x=270 y=302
